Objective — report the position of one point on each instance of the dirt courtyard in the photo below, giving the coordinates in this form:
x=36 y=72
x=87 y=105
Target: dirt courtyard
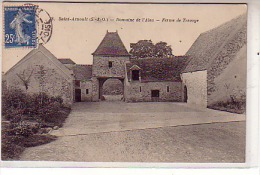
x=145 y=132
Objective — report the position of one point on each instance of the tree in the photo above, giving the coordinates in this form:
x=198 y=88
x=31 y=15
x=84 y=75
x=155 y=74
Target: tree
x=142 y=49
x=162 y=50
x=146 y=48
x=25 y=79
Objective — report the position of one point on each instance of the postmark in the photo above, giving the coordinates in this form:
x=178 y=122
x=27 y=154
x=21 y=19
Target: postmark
x=20 y=26
x=45 y=26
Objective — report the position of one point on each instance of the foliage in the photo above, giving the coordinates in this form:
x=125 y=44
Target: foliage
x=25 y=78
x=236 y=104
x=162 y=50
x=14 y=145
x=26 y=114
x=146 y=48
x=17 y=105
x=23 y=128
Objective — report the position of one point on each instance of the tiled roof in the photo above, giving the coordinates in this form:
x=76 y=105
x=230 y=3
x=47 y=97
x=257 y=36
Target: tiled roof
x=66 y=61
x=159 y=69
x=209 y=44
x=82 y=72
x=111 y=45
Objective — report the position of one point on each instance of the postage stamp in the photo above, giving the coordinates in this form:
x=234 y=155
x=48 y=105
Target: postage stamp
x=20 y=26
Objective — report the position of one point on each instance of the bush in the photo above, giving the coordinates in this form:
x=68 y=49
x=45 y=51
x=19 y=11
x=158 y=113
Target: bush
x=23 y=129
x=13 y=99
x=39 y=107
x=13 y=145
x=27 y=113
x=230 y=106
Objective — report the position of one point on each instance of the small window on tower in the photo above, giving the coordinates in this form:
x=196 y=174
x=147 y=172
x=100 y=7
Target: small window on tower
x=110 y=64
x=86 y=91
x=168 y=89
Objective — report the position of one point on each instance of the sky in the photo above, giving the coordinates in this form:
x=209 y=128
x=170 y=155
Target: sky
x=77 y=40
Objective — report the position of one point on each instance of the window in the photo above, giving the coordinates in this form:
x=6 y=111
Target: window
x=168 y=89
x=110 y=64
x=77 y=83
x=135 y=75
x=86 y=91
x=140 y=89
x=155 y=93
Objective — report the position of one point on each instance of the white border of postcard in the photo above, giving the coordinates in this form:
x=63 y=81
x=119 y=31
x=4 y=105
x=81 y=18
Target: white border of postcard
x=252 y=125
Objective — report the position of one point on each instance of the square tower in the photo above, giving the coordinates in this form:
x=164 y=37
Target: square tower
x=110 y=57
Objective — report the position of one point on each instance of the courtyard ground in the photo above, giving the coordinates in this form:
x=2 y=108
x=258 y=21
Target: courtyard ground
x=145 y=132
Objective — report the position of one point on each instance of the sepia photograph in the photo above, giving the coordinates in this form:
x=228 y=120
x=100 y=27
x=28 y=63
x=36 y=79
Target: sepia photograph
x=124 y=82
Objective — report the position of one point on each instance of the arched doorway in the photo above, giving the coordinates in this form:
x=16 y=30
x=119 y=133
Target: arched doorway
x=111 y=89
x=185 y=94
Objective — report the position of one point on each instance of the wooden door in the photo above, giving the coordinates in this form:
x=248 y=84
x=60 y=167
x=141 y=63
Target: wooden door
x=78 y=95
x=155 y=95
x=185 y=94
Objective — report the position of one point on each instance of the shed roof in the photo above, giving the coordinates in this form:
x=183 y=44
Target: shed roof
x=209 y=44
x=159 y=69
x=82 y=72
x=111 y=45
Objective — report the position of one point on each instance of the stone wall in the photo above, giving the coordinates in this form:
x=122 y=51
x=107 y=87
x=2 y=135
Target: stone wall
x=196 y=83
x=232 y=80
x=101 y=69
x=227 y=54
x=84 y=86
x=95 y=89
x=133 y=94
x=43 y=76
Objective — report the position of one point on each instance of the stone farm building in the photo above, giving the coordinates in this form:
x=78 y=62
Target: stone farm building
x=217 y=67
x=199 y=77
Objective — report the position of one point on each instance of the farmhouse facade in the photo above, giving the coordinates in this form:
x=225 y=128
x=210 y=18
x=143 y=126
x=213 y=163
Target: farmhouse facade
x=198 y=78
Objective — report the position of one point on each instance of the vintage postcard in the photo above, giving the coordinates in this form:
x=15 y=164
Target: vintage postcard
x=124 y=82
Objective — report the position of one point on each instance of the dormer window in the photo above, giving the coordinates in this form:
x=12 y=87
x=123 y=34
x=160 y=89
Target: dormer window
x=135 y=75
x=110 y=64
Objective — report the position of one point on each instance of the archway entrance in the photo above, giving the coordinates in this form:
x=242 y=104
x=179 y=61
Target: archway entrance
x=185 y=94
x=111 y=89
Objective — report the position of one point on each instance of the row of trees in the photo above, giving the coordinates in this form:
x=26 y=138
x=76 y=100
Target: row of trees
x=146 y=48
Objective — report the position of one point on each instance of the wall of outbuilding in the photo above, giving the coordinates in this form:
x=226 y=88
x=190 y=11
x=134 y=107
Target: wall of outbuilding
x=45 y=77
x=196 y=83
x=133 y=93
x=227 y=72
x=84 y=86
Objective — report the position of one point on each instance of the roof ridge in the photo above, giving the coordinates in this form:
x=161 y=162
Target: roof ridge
x=225 y=23
x=83 y=64
x=111 y=45
x=225 y=42
x=209 y=44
